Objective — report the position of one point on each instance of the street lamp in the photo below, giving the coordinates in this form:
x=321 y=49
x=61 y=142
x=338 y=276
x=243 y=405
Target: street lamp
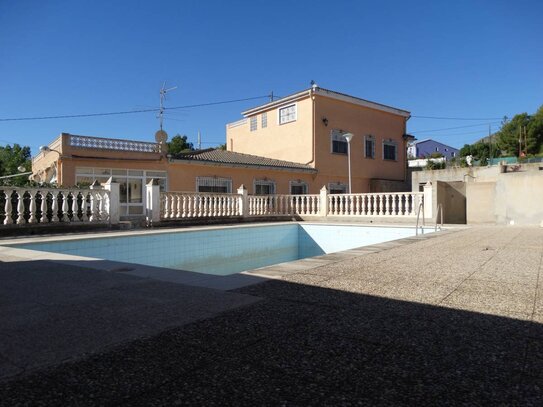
x=349 y=137
x=46 y=149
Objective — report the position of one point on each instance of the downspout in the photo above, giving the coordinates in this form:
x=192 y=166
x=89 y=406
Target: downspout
x=313 y=152
x=405 y=149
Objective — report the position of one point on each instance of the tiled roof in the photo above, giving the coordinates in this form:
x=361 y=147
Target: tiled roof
x=216 y=156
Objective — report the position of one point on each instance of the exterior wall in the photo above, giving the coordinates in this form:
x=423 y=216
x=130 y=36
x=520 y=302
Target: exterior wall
x=492 y=194
x=424 y=148
x=360 y=121
x=290 y=141
x=480 y=198
x=452 y=197
x=182 y=177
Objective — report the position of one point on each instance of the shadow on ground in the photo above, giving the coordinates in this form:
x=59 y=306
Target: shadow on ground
x=305 y=345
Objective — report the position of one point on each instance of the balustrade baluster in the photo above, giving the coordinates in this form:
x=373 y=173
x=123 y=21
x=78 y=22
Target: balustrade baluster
x=8 y=209
x=63 y=206
x=32 y=206
x=43 y=207
x=178 y=203
x=54 y=206
x=90 y=208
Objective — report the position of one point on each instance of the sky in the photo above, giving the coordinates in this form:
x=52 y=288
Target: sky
x=455 y=59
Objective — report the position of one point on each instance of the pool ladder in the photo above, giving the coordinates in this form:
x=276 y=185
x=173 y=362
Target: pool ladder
x=420 y=209
x=438 y=215
x=439 y=212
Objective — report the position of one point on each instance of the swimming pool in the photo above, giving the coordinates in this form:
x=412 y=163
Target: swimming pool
x=226 y=250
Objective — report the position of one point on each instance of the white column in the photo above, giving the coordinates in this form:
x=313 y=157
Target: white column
x=323 y=209
x=428 y=201
x=243 y=201
x=114 y=201
x=152 y=203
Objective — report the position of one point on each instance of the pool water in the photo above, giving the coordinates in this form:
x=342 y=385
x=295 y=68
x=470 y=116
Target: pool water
x=226 y=250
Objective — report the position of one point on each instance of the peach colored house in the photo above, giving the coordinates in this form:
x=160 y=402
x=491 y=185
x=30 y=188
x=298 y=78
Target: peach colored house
x=308 y=127
x=293 y=145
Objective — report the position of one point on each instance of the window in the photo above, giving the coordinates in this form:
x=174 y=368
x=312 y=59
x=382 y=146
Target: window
x=264 y=187
x=287 y=114
x=298 y=188
x=369 y=147
x=437 y=149
x=264 y=122
x=389 y=150
x=253 y=123
x=337 y=188
x=212 y=184
x=453 y=154
x=339 y=143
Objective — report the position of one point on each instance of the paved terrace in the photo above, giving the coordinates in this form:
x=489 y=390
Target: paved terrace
x=448 y=320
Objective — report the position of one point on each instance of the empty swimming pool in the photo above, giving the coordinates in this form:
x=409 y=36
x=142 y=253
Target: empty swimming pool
x=225 y=250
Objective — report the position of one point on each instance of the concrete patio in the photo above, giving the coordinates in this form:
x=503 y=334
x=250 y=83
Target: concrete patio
x=454 y=319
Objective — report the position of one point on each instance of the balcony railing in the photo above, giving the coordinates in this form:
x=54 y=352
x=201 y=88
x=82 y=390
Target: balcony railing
x=113 y=144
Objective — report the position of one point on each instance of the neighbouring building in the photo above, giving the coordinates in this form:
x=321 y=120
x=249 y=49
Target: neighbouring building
x=294 y=145
x=425 y=148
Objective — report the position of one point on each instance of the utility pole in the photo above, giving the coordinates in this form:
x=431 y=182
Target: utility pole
x=271 y=96
x=199 y=141
x=490 y=141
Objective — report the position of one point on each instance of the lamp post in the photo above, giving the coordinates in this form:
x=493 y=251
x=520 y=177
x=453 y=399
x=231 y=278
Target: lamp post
x=349 y=137
x=46 y=149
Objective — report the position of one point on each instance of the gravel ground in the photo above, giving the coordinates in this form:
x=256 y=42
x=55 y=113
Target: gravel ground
x=456 y=319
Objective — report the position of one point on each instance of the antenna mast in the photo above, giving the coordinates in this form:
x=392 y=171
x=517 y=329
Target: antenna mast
x=163 y=92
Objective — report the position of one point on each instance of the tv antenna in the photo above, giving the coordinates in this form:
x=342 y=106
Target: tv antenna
x=163 y=92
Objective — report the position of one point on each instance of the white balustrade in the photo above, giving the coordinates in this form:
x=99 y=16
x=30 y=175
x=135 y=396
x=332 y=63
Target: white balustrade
x=184 y=205
x=277 y=205
x=402 y=204
x=21 y=206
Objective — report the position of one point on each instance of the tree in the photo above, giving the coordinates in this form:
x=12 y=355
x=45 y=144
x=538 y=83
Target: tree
x=535 y=131
x=509 y=135
x=221 y=146
x=179 y=144
x=13 y=157
x=479 y=151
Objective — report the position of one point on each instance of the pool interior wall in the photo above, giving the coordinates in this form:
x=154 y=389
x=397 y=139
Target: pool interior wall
x=225 y=251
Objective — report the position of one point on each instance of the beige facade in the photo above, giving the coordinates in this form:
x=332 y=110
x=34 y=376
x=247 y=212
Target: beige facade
x=307 y=127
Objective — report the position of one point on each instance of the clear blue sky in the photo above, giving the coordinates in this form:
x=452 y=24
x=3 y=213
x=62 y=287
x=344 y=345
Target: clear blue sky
x=474 y=59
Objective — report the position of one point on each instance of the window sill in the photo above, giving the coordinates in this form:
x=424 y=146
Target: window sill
x=291 y=121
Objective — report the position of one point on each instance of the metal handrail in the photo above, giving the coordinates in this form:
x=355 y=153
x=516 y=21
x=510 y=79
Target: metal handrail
x=439 y=212
x=421 y=206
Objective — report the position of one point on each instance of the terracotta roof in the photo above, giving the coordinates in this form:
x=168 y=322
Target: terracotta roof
x=230 y=158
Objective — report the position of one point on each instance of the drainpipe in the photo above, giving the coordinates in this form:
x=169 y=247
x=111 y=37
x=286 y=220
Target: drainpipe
x=311 y=93
x=405 y=150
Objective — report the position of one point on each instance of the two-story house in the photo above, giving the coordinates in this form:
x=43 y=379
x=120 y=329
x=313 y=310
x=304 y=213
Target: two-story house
x=308 y=127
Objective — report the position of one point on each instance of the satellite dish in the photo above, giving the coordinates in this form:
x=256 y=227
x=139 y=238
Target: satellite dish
x=161 y=136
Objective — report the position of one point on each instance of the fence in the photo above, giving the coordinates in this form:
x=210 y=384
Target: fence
x=185 y=205
x=178 y=205
x=382 y=204
x=20 y=206
x=24 y=206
